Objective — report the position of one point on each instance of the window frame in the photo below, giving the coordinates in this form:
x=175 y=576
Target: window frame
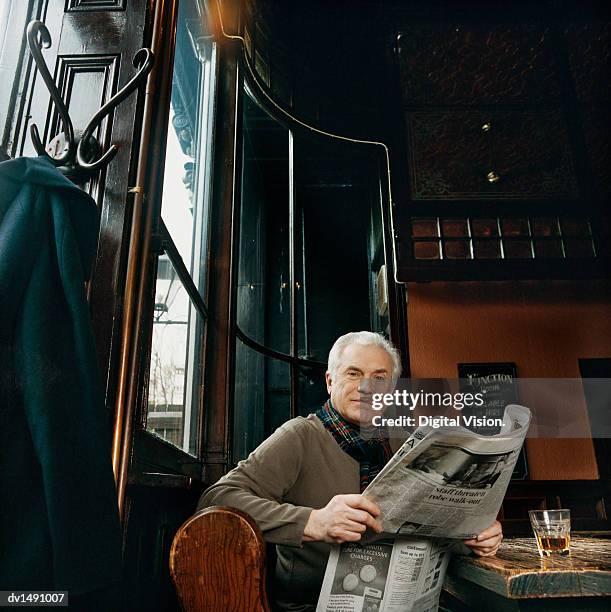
x=260 y=94
x=216 y=406
x=151 y=454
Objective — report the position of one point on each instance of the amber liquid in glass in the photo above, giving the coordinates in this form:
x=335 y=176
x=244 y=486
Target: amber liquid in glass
x=549 y=544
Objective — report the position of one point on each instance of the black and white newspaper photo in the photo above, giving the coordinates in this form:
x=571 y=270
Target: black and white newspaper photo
x=449 y=482
x=399 y=575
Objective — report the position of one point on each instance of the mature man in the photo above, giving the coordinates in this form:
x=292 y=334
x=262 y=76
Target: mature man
x=303 y=485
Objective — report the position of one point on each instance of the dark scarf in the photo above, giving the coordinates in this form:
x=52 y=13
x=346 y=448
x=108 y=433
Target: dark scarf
x=372 y=454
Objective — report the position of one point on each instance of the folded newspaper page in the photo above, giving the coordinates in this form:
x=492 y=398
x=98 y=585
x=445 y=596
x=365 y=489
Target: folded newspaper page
x=449 y=482
x=398 y=575
x=443 y=484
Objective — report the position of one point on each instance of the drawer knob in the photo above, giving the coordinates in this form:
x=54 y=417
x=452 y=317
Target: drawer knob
x=493 y=177
x=486 y=127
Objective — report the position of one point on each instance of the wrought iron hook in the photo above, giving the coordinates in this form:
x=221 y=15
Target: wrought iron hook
x=78 y=149
x=39 y=38
x=145 y=58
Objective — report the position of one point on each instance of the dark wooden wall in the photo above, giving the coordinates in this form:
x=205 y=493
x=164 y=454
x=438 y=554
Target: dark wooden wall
x=500 y=165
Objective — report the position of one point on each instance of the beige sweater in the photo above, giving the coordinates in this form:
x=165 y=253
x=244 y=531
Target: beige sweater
x=298 y=468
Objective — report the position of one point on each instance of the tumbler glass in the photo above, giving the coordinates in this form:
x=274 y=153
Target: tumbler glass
x=552 y=531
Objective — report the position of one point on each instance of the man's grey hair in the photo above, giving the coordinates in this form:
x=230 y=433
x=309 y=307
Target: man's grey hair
x=363 y=338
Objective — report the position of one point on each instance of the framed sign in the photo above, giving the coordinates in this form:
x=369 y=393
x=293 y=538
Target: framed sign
x=498 y=383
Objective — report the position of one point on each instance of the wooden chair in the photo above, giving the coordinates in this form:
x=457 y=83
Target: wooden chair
x=217 y=563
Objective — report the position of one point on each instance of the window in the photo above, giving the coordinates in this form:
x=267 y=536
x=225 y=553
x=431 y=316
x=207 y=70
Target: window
x=5 y=12
x=179 y=314
x=175 y=360
x=310 y=253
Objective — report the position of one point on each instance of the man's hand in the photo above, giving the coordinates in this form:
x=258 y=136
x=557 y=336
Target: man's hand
x=344 y=519
x=487 y=542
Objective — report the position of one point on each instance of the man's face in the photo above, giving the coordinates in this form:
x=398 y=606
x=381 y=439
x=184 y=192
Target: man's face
x=363 y=370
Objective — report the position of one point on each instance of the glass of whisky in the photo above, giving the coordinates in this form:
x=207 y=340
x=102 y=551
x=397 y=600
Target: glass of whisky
x=552 y=531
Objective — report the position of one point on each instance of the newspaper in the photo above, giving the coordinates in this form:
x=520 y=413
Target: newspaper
x=445 y=483
x=397 y=575
x=449 y=482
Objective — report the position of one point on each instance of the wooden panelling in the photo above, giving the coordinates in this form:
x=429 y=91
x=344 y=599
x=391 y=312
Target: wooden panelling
x=598 y=369
x=589 y=57
x=502 y=108
x=224 y=223
x=95 y=5
x=587 y=500
x=79 y=79
x=474 y=65
x=544 y=327
x=153 y=515
x=590 y=60
x=489 y=155
x=597 y=131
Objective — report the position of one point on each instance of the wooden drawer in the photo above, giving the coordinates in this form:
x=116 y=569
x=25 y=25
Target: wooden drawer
x=489 y=155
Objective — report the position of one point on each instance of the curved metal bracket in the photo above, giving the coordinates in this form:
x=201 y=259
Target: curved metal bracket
x=79 y=151
x=145 y=59
x=39 y=38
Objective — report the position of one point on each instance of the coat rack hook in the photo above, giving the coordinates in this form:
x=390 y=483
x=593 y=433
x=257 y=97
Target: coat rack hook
x=78 y=159
x=39 y=37
x=144 y=59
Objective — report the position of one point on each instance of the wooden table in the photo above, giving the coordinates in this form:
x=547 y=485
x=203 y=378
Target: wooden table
x=518 y=579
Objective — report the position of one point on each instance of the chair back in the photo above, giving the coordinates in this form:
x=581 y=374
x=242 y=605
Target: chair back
x=217 y=562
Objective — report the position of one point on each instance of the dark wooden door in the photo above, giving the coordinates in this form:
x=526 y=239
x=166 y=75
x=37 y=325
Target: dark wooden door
x=93 y=43
x=91 y=57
